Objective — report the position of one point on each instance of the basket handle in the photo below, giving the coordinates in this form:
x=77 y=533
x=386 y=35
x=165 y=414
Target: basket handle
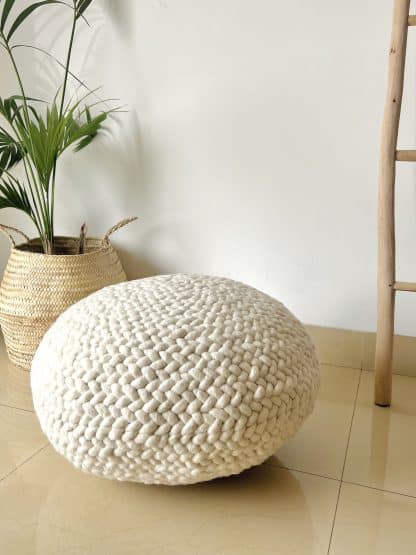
x=5 y=229
x=117 y=227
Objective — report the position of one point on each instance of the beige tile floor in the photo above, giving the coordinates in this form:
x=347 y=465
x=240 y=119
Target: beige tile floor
x=345 y=485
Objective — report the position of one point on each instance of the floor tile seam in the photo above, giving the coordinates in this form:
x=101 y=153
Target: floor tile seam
x=293 y=469
x=337 y=365
x=22 y=463
x=7 y=406
x=345 y=461
x=374 y=488
x=361 y=367
x=394 y=373
x=369 y=370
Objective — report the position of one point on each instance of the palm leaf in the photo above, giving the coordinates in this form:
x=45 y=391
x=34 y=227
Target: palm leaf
x=45 y=137
x=10 y=151
x=37 y=142
x=13 y=195
x=23 y=15
x=81 y=6
x=86 y=132
x=9 y=109
x=8 y=5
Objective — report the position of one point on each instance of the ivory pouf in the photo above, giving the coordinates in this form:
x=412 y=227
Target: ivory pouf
x=173 y=379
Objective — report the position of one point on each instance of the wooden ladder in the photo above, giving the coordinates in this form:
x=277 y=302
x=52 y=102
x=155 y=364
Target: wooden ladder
x=387 y=284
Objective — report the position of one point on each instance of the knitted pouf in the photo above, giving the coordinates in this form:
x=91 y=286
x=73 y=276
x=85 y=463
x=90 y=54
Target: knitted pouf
x=173 y=379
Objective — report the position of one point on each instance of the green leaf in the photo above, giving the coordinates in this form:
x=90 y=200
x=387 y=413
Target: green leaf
x=30 y=98
x=45 y=135
x=8 y=5
x=26 y=13
x=9 y=109
x=81 y=7
x=89 y=131
x=10 y=151
x=13 y=195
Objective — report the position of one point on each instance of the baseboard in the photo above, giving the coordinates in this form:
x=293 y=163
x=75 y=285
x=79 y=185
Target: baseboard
x=355 y=349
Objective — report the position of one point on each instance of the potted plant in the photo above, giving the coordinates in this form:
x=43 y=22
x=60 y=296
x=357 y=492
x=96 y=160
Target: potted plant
x=46 y=274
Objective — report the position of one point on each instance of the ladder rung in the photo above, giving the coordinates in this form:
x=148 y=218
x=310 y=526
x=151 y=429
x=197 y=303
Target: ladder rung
x=404 y=286
x=406 y=155
x=411 y=20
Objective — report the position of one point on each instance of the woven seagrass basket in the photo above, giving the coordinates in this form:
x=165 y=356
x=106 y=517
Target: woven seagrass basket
x=36 y=287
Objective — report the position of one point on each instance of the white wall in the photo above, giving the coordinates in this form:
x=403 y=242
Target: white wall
x=250 y=147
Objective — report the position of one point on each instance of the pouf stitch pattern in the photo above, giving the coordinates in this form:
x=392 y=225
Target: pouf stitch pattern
x=173 y=379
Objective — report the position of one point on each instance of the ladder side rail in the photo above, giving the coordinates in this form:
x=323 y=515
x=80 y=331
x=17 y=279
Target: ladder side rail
x=386 y=223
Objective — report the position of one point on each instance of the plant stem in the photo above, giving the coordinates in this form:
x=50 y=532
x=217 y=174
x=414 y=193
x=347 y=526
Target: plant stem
x=61 y=110
x=68 y=60
x=19 y=79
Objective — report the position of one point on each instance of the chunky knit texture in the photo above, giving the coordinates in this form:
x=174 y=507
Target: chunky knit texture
x=173 y=379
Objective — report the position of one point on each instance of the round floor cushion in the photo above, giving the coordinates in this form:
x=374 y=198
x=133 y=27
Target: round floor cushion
x=173 y=379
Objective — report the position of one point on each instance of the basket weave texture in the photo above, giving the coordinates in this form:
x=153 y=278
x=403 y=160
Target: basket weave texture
x=36 y=288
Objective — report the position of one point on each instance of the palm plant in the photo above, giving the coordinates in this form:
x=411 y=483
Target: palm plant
x=36 y=133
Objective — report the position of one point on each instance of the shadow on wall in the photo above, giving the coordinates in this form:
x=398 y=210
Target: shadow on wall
x=137 y=265
x=159 y=249
x=119 y=13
